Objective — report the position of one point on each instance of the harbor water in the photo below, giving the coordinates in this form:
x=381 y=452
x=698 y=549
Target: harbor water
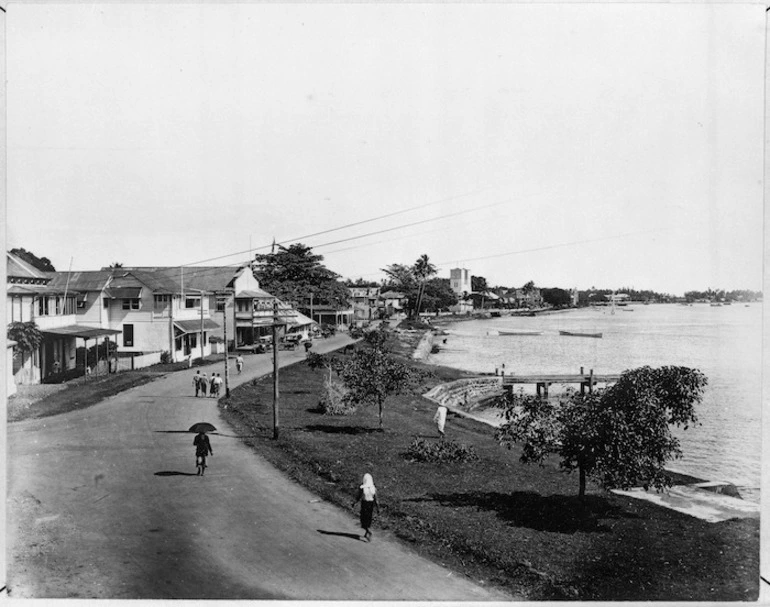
x=724 y=342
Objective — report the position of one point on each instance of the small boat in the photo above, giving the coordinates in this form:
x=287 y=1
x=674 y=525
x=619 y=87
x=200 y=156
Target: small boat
x=501 y=332
x=574 y=334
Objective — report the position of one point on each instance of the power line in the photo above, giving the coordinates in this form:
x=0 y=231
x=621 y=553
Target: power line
x=344 y=227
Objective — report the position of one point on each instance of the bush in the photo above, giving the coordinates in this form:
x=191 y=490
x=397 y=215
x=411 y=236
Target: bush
x=434 y=349
x=165 y=357
x=422 y=450
x=333 y=401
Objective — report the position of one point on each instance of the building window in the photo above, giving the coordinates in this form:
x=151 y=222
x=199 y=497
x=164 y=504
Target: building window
x=221 y=303
x=42 y=306
x=192 y=302
x=193 y=340
x=105 y=302
x=131 y=304
x=128 y=335
x=162 y=301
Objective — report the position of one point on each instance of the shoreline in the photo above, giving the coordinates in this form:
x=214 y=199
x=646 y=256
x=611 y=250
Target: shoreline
x=474 y=409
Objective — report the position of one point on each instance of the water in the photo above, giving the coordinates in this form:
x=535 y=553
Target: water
x=723 y=342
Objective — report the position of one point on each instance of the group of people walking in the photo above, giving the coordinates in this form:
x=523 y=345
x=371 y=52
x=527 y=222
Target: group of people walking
x=204 y=384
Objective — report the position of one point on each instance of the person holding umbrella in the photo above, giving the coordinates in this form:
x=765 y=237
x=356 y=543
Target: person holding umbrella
x=202 y=445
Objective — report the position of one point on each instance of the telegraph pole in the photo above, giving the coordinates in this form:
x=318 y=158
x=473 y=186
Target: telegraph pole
x=227 y=356
x=275 y=369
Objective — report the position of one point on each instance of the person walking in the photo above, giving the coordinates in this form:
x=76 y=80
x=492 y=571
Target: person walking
x=440 y=419
x=239 y=363
x=218 y=384
x=367 y=495
x=202 y=450
x=204 y=383
x=213 y=385
x=197 y=382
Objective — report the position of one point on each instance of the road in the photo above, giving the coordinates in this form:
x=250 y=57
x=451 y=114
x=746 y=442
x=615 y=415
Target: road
x=104 y=503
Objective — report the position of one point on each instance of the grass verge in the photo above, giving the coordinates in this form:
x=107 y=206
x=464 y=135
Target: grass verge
x=504 y=524
x=78 y=394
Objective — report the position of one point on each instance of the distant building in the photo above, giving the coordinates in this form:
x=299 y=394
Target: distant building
x=364 y=300
x=460 y=281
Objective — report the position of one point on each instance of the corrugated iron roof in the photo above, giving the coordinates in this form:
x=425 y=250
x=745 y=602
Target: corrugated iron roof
x=194 y=326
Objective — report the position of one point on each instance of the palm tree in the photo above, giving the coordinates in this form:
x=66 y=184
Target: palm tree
x=422 y=269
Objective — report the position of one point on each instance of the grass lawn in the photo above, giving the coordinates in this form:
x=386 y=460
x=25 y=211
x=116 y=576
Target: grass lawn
x=500 y=522
x=77 y=394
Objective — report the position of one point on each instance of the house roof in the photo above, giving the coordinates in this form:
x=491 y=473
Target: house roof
x=92 y=280
x=193 y=326
x=392 y=295
x=81 y=331
x=172 y=278
x=252 y=293
x=165 y=280
x=18 y=268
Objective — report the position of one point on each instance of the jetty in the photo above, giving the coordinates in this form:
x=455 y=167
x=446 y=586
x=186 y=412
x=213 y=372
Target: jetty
x=586 y=381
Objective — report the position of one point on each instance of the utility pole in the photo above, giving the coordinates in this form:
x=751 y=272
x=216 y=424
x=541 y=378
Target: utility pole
x=227 y=356
x=275 y=369
x=201 y=292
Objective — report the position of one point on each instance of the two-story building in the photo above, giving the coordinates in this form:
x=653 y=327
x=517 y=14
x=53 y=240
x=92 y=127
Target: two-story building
x=364 y=303
x=34 y=296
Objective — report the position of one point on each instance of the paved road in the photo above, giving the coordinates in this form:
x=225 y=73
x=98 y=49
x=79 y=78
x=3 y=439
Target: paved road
x=104 y=503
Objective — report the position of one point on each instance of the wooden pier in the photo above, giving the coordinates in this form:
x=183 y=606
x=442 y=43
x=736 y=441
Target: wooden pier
x=586 y=381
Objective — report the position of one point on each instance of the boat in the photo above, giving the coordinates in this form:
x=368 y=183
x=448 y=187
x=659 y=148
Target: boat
x=501 y=332
x=574 y=334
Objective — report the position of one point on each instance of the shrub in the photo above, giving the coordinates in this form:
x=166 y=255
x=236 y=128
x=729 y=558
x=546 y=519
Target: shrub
x=333 y=401
x=165 y=357
x=422 y=450
x=434 y=349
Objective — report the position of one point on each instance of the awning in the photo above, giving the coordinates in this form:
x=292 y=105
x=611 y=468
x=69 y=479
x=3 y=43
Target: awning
x=81 y=331
x=194 y=326
x=124 y=292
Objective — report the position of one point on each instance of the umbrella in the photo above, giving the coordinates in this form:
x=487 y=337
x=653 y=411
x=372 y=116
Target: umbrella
x=202 y=427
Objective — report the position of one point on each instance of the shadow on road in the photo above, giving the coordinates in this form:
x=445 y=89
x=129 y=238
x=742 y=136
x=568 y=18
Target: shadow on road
x=209 y=433
x=174 y=473
x=352 y=536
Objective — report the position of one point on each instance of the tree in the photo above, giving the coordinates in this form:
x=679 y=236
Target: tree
x=371 y=375
x=528 y=287
x=115 y=265
x=41 y=263
x=423 y=269
x=438 y=295
x=295 y=273
x=410 y=280
x=556 y=297
x=619 y=436
x=26 y=335
x=478 y=284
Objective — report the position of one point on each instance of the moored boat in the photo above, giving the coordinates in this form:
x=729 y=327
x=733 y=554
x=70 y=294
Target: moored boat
x=574 y=334
x=502 y=332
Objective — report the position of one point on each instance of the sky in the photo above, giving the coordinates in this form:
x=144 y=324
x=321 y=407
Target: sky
x=575 y=145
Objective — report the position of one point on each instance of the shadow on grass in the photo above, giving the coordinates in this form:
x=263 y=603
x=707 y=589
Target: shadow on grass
x=341 y=429
x=352 y=536
x=174 y=473
x=555 y=513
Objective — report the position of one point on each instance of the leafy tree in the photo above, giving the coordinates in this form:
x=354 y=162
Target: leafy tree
x=116 y=264
x=294 y=273
x=479 y=284
x=410 y=280
x=41 y=263
x=529 y=287
x=619 y=436
x=556 y=297
x=438 y=295
x=371 y=374
x=27 y=336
